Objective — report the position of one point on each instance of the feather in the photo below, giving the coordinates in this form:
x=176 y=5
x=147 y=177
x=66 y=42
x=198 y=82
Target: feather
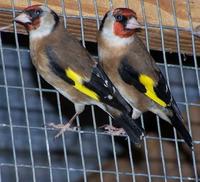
x=97 y=87
x=177 y=122
x=129 y=126
x=157 y=92
x=144 y=83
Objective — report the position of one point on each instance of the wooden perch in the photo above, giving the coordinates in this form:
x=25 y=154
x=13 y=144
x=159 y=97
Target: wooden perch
x=151 y=13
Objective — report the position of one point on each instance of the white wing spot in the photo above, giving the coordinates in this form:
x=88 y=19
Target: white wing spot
x=98 y=75
x=106 y=83
x=166 y=89
x=114 y=90
x=110 y=97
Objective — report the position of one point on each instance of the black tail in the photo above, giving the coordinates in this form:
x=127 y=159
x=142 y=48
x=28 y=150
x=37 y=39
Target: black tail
x=177 y=122
x=133 y=130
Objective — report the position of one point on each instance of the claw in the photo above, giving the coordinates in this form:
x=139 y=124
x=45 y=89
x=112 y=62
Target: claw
x=64 y=127
x=56 y=126
x=113 y=130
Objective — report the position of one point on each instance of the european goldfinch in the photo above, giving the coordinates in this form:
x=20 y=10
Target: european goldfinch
x=133 y=71
x=60 y=59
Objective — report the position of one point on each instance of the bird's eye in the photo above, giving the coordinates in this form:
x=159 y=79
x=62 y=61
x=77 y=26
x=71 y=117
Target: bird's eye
x=119 y=18
x=37 y=12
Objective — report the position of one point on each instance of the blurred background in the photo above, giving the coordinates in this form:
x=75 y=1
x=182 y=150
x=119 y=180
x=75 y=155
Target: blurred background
x=28 y=149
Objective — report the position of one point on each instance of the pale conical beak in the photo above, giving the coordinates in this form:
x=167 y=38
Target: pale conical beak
x=23 y=18
x=132 y=23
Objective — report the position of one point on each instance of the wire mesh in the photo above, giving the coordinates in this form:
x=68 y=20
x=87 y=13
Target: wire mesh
x=29 y=151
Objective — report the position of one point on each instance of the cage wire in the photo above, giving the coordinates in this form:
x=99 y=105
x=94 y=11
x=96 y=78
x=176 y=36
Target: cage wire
x=28 y=150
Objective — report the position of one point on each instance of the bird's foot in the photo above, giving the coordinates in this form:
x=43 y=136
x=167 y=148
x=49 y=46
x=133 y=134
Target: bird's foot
x=113 y=130
x=62 y=128
x=65 y=127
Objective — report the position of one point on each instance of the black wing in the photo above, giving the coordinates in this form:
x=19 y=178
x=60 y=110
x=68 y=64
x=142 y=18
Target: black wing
x=99 y=83
x=102 y=85
x=159 y=93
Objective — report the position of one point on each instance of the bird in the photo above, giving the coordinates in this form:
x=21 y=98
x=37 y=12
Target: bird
x=65 y=64
x=133 y=71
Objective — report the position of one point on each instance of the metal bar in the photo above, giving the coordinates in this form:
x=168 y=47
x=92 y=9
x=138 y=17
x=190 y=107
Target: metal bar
x=63 y=138
x=150 y=25
x=97 y=143
x=145 y=25
x=82 y=24
x=77 y=119
x=9 y=114
x=161 y=149
x=146 y=152
x=193 y=43
x=0 y=174
x=81 y=150
x=45 y=131
x=188 y=178
x=183 y=79
x=114 y=153
x=54 y=91
x=59 y=104
x=110 y=4
x=131 y=160
x=158 y=123
x=29 y=2
x=96 y=57
x=46 y=2
x=96 y=13
x=29 y=88
x=142 y=120
x=99 y=133
x=24 y=94
x=64 y=13
x=167 y=78
x=126 y=3
x=44 y=123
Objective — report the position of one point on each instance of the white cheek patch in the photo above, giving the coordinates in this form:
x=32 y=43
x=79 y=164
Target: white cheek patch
x=43 y=30
x=114 y=40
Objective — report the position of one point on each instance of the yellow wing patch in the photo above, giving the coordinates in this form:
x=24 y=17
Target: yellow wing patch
x=78 y=84
x=149 y=84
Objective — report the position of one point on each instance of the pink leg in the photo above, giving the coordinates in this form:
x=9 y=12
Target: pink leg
x=113 y=130
x=64 y=127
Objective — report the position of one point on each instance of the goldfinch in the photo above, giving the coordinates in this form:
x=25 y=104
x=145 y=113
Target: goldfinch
x=60 y=59
x=133 y=71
